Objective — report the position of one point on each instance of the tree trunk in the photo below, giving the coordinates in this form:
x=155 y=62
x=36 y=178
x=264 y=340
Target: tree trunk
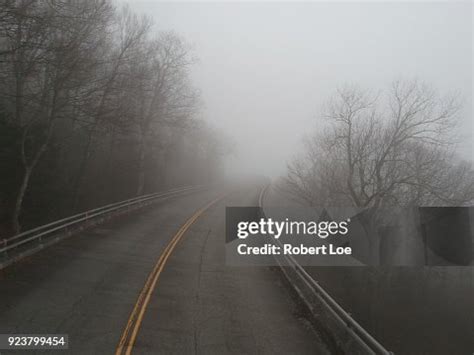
x=15 y=219
x=141 y=166
x=29 y=167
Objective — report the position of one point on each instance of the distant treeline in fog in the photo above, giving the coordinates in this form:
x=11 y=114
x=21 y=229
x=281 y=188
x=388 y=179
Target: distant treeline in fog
x=384 y=149
x=95 y=106
x=383 y=154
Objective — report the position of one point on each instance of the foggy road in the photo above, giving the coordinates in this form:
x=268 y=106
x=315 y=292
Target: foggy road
x=121 y=287
x=341 y=132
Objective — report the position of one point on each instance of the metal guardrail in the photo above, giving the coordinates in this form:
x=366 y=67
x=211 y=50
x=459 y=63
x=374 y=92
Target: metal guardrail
x=8 y=245
x=359 y=334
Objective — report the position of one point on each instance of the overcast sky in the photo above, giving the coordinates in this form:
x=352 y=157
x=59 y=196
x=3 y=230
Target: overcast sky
x=264 y=68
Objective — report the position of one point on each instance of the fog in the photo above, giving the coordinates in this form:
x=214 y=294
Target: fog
x=265 y=68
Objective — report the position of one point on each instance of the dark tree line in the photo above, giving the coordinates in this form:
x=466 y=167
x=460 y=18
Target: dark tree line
x=95 y=106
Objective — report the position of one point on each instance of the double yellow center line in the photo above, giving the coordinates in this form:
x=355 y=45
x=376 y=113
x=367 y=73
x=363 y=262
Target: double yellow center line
x=129 y=335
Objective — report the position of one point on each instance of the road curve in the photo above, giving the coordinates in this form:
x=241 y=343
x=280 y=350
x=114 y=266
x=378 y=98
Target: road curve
x=88 y=285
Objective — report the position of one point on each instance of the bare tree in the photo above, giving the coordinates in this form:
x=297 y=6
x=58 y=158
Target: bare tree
x=103 y=102
x=392 y=149
x=94 y=107
x=48 y=50
x=162 y=95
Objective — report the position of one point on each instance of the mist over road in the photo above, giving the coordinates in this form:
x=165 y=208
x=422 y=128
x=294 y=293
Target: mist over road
x=88 y=285
x=129 y=127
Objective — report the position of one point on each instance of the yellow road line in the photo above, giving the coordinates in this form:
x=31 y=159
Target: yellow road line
x=136 y=317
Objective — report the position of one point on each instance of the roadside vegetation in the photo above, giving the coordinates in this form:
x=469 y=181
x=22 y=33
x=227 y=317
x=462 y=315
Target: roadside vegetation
x=382 y=150
x=392 y=151
x=95 y=106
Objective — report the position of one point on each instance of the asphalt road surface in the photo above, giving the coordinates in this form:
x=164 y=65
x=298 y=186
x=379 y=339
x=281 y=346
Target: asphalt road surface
x=156 y=282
